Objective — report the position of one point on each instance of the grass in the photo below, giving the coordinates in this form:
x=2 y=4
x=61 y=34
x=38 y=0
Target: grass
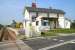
x=63 y=31
x=55 y=32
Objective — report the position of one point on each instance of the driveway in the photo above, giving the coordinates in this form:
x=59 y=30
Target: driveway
x=15 y=45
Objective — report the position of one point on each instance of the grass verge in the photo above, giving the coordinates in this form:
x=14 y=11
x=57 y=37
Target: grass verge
x=55 y=32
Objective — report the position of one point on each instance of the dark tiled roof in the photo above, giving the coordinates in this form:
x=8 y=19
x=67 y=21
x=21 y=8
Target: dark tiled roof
x=45 y=10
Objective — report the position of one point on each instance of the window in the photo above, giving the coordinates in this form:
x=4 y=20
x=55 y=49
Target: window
x=37 y=22
x=33 y=18
x=45 y=23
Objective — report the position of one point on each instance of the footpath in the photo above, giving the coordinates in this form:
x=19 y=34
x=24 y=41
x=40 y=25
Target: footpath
x=15 y=45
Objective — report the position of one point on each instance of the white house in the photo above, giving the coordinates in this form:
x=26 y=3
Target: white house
x=37 y=20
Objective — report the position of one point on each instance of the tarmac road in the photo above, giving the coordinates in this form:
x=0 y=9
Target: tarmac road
x=40 y=43
x=68 y=46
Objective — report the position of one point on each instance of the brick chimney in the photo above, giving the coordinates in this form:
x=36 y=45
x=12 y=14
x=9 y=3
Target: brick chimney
x=33 y=5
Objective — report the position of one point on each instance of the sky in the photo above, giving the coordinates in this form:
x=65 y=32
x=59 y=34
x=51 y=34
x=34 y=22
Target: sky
x=13 y=9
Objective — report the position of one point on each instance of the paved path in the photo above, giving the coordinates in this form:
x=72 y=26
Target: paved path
x=18 y=45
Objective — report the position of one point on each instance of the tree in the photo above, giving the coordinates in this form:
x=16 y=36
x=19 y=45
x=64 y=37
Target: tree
x=73 y=24
x=13 y=23
x=1 y=26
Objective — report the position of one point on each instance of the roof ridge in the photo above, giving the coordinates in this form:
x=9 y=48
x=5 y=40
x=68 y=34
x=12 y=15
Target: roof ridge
x=45 y=10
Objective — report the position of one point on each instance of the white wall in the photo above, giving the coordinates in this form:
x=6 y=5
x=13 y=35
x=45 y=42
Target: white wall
x=52 y=24
x=54 y=15
x=42 y=14
x=26 y=15
x=39 y=24
x=44 y=28
x=61 y=15
x=27 y=24
x=32 y=14
x=40 y=27
x=61 y=22
x=67 y=23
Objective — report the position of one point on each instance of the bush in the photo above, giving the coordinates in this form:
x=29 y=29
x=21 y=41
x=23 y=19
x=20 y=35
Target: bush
x=73 y=24
x=43 y=34
x=1 y=26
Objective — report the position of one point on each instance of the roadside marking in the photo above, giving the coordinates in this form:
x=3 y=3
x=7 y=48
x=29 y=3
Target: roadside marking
x=55 y=39
x=73 y=42
x=61 y=40
x=57 y=45
x=11 y=43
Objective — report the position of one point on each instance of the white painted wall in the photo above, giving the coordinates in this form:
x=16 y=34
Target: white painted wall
x=32 y=14
x=61 y=22
x=28 y=32
x=39 y=24
x=26 y=15
x=44 y=28
x=61 y=15
x=67 y=24
x=54 y=15
x=42 y=14
x=39 y=28
x=47 y=27
x=52 y=24
x=27 y=24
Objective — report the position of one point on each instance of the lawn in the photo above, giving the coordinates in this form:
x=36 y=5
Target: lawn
x=63 y=30
x=55 y=32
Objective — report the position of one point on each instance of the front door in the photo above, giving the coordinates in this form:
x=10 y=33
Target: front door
x=52 y=24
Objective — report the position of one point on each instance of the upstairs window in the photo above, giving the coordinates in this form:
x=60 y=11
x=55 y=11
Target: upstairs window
x=33 y=18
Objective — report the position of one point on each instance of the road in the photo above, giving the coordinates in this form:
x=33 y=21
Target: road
x=38 y=44
x=69 y=46
x=49 y=43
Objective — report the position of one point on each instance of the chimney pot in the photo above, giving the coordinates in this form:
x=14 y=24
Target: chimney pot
x=34 y=5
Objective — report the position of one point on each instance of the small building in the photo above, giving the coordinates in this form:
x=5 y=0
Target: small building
x=37 y=20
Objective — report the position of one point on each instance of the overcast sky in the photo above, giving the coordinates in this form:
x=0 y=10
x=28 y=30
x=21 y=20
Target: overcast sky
x=13 y=9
